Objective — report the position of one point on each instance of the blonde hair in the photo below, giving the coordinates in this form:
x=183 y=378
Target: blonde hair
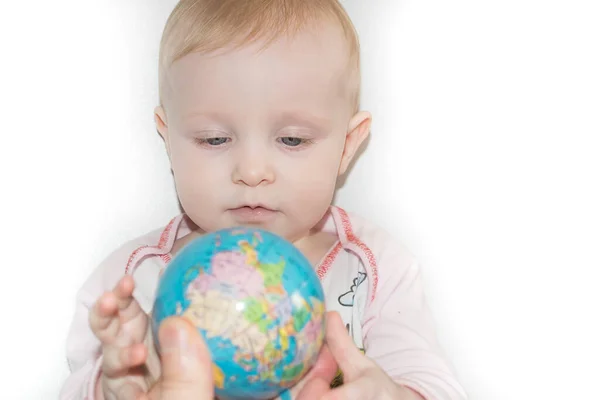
x=204 y=26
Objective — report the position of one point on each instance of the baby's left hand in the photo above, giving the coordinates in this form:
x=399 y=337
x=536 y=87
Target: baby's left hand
x=363 y=379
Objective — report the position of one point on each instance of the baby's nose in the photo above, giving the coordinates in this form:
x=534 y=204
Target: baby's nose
x=253 y=169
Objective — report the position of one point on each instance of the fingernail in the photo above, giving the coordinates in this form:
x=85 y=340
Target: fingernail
x=177 y=343
x=173 y=338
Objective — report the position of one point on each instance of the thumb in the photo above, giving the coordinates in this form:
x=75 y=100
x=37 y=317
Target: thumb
x=186 y=362
x=350 y=360
x=317 y=381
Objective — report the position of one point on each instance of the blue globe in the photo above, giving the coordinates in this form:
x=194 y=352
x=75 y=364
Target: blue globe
x=258 y=304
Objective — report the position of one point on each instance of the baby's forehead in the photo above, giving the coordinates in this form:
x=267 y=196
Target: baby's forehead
x=320 y=48
x=314 y=63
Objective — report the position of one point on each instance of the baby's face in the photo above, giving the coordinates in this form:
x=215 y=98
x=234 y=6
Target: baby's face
x=257 y=138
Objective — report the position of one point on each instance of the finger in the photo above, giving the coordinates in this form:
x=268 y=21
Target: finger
x=322 y=371
x=314 y=389
x=103 y=319
x=117 y=360
x=360 y=389
x=129 y=308
x=320 y=376
x=326 y=365
x=343 y=349
x=152 y=361
x=131 y=391
x=124 y=288
x=186 y=362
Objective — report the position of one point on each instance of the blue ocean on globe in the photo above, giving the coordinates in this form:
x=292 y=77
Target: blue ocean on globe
x=258 y=304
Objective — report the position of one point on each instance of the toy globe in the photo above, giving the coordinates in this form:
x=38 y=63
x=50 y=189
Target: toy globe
x=258 y=304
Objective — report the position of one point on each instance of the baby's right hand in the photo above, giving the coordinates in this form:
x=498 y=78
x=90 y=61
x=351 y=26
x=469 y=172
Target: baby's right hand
x=130 y=364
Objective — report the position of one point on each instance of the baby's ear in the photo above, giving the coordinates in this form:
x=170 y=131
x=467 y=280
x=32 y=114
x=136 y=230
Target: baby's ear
x=358 y=130
x=160 y=119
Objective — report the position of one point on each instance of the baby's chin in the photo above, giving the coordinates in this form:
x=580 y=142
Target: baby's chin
x=279 y=223
x=207 y=224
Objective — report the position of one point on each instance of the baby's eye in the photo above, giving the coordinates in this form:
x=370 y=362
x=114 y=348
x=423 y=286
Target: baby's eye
x=292 y=141
x=213 y=142
x=217 y=141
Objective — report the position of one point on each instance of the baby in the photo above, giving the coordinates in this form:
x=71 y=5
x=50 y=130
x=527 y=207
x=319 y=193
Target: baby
x=259 y=115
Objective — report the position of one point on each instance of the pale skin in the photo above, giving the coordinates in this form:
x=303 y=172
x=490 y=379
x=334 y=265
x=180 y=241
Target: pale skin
x=241 y=128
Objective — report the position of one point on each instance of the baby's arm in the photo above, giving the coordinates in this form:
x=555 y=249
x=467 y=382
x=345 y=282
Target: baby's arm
x=398 y=329
x=83 y=354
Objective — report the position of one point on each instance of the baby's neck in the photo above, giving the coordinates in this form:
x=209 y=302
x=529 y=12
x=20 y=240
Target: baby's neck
x=316 y=246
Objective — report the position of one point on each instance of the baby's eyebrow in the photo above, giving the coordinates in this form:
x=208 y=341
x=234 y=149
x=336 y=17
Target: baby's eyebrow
x=283 y=118
x=304 y=119
x=211 y=115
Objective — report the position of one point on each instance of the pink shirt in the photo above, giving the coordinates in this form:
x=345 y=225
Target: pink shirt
x=372 y=281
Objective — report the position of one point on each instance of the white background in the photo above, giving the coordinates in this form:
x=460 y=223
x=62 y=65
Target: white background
x=484 y=160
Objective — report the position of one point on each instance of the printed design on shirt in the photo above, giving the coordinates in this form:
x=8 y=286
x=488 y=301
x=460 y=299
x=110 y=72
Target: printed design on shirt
x=339 y=377
x=347 y=299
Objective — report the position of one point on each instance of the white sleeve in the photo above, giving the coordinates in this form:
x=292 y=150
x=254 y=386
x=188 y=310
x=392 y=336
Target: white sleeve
x=398 y=330
x=83 y=355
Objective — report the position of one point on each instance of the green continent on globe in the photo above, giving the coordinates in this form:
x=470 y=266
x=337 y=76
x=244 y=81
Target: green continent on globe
x=272 y=273
x=301 y=317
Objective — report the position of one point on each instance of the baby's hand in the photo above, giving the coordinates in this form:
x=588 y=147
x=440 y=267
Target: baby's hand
x=363 y=379
x=130 y=365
